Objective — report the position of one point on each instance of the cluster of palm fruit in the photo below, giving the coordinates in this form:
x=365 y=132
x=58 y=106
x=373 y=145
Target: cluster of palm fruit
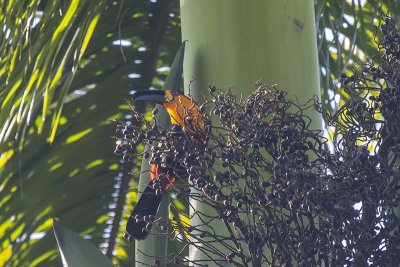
x=283 y=198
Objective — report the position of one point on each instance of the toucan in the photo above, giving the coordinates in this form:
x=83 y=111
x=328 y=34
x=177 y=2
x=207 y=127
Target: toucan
x=183 y=111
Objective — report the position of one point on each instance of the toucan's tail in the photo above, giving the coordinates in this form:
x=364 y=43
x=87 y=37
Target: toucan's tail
x=147 y=204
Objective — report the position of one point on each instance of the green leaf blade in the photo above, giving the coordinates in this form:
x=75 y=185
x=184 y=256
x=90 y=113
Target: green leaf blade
x=76 y=251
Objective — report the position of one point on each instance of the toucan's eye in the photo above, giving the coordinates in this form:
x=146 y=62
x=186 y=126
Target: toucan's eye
x=169 y=95
x=174 y=92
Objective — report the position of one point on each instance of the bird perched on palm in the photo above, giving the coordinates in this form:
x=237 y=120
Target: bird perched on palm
x=186 y=115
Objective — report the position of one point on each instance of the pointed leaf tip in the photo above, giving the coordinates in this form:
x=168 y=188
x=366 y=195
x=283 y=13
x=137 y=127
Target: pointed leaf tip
x=76 y=251
x=174 y=79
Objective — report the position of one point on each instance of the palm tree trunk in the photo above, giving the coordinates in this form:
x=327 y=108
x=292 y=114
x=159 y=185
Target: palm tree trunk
x=155 y=246
x=234 y=43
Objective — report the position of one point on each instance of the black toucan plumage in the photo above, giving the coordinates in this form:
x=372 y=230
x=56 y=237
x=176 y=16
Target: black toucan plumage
x=147 y=205
x=179 y=107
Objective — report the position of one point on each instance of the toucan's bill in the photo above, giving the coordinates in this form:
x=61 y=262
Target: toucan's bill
x=155 y=96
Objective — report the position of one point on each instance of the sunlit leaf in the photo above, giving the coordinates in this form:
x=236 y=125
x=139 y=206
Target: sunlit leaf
x=76 y=251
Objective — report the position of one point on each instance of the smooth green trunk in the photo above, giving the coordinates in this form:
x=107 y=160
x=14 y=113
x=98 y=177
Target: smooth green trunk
x=155 y=245
x=234 y=43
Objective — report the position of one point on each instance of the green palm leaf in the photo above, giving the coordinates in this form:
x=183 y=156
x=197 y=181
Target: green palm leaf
x=76 y=251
